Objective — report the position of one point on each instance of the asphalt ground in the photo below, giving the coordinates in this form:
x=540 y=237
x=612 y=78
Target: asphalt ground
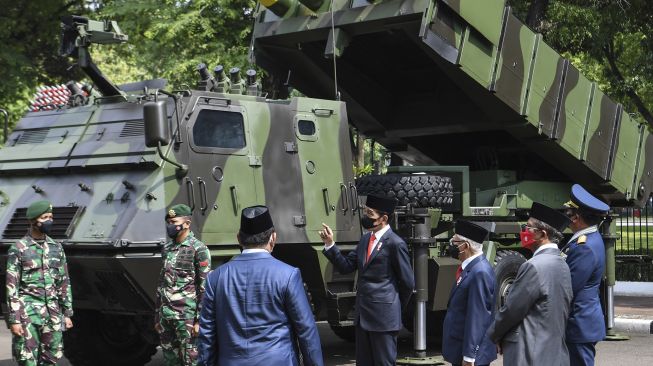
x=337 y=352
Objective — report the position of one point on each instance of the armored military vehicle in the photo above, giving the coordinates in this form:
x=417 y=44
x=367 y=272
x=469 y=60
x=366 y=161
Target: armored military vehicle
x=484 y=123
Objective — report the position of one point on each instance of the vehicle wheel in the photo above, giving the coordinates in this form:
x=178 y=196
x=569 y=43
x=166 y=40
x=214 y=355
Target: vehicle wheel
x=102 y=339
x=422 y=190
x=347 y=333
x=506 y=265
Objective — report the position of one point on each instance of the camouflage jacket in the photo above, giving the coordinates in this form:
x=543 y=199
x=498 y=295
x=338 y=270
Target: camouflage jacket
x=38 y=286
x=182 y=279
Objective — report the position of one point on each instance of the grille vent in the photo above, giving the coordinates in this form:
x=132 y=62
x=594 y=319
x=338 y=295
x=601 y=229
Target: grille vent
x=133 y=128
x=64 y=222
x=32 y=137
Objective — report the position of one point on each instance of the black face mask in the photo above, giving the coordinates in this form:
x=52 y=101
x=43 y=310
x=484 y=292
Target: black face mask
x=173 y=230
x=454 y=252
x=368 y=222
x=45 y=226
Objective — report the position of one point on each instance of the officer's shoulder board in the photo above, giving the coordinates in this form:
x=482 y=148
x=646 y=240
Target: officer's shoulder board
x=582 y=239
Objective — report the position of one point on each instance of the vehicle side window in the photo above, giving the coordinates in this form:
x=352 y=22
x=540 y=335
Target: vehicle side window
x=219 y=129
x=306 y=128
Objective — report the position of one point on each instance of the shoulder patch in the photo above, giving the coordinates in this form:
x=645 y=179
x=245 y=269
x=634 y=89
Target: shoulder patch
x=582 y=239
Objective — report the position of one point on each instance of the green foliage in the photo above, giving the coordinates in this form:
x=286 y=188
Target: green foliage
x=29 y=50
x=168 y=39
x=610 y=41
x=374 y=159
x=367 y=169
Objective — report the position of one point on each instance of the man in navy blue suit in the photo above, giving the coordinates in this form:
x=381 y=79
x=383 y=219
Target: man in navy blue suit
x=255 y=310
x=586 y=260
x=471 y=303
x=385 y=282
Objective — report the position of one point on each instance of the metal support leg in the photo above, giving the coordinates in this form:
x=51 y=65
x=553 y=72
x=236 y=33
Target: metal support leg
x=421 y=220
x=609 y=234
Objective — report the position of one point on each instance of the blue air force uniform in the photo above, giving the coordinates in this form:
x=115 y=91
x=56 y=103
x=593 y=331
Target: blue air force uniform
x=586 y=260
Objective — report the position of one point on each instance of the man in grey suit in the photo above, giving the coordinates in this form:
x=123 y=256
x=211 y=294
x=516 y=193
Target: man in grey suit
x=530 y=327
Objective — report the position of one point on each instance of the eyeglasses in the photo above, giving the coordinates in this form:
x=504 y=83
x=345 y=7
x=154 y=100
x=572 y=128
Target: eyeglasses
x=454 y=242
x=525 y=227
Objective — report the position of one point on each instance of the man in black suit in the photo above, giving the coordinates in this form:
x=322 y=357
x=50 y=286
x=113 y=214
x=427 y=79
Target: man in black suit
x=385 y=282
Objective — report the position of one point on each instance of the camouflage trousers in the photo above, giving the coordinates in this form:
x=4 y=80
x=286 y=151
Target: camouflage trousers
x=40 y=345
x=178 y=345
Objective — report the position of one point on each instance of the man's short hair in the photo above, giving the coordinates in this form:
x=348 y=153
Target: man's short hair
x=590 y=218
x=476 y=247
x=255 y=240
x=554 y=235
x=381 y=213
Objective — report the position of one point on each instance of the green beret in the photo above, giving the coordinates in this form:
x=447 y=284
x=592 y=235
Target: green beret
x=37 y=209
x=178 y=210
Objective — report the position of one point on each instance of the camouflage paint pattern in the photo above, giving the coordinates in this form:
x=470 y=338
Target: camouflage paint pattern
x=521 y=86
x=39 y=297
x=93 y=159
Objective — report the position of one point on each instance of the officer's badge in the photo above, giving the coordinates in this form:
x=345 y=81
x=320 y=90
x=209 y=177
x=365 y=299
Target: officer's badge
x=172 y=213
x=582 y=239
x=50 y=207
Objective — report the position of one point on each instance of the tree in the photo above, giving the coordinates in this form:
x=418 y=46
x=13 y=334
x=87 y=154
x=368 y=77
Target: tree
x=169 y=38
x=29 y=53
x=608 y=40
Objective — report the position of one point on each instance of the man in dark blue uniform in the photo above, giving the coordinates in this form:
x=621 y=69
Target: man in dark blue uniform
x=471 y=303
x=385 y=282
x=255 y=310
x=586 y=259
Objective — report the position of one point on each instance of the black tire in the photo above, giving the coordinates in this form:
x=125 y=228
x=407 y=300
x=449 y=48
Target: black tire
x=100 y=339
x=506 y=265
x=347 y=333
x=422 y=190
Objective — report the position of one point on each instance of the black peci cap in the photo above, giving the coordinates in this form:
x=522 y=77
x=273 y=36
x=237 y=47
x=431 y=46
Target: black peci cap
x=546 y=214
x=471 y=231
x=382 y=204
x=255 y=220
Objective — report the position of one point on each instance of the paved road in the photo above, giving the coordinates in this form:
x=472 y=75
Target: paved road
x=637 y=351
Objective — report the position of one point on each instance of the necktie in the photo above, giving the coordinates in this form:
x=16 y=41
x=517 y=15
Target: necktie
x=458 y=273
x=370 y=247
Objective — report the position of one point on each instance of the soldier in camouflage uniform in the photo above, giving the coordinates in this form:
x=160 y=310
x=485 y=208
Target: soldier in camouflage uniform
x=38 y=292
x=186 y=263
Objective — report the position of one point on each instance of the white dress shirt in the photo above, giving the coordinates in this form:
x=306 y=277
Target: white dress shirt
x=255 y=250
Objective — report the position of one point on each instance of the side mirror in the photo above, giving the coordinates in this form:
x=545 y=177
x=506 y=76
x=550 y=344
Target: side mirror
x=156 y=124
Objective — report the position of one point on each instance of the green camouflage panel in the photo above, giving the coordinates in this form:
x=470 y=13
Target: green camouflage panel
x=41 y=345
x=178 y=344
x=38 y=287
x=182 y=279
x=280 y=158
x=510 y=89
x=117 y=189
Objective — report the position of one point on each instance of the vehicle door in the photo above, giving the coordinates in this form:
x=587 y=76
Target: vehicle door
x=220 y=181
